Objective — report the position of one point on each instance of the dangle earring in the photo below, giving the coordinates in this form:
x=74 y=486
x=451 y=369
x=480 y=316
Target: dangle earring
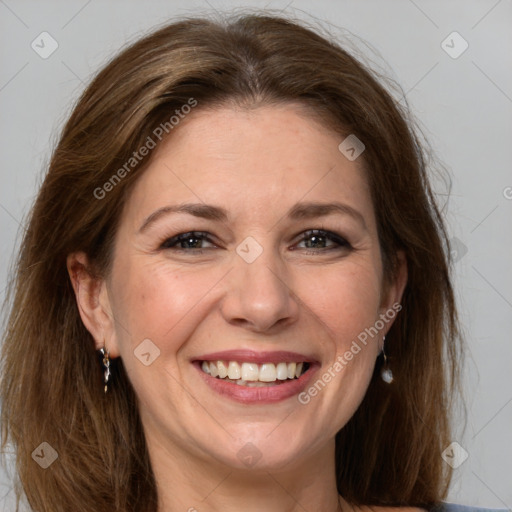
x=106 y=364
x=386 y=373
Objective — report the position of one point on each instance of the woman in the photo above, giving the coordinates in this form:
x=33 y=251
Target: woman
x=234 y=290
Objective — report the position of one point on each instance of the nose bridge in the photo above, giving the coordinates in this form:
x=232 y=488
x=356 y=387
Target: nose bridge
x=263 y=273
x=258 y=291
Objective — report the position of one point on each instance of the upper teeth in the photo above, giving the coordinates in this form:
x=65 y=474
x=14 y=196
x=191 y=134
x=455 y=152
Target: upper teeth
x=266 y=372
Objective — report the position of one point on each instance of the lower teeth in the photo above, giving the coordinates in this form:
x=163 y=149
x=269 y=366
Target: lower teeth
x=255 y=384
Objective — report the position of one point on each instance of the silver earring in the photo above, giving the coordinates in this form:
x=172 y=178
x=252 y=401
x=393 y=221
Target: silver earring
x=386 y=373
x=106 y=365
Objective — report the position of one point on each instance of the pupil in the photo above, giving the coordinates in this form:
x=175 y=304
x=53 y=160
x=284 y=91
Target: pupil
x=316 y=239
x=190 y=241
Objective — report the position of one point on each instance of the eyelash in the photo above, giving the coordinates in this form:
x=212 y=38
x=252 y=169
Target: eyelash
x=170 y=243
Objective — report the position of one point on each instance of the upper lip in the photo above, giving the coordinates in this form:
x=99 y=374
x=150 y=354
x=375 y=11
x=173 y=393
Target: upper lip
x=251 y=356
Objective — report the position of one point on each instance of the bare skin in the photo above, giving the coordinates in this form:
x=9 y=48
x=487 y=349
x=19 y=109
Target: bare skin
x=304 y=293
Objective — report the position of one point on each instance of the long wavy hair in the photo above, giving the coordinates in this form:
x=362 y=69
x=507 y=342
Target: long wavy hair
x=389 y=453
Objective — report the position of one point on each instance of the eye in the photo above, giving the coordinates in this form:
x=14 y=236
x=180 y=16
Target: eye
x=317 y=239
x=193 y=240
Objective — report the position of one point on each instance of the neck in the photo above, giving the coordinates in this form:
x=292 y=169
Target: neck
x=187 y=483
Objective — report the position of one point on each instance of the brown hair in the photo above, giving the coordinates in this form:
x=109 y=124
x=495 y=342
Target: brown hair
x=389 y=452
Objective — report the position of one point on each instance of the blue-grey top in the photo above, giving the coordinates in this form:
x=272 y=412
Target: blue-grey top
x=453 y=507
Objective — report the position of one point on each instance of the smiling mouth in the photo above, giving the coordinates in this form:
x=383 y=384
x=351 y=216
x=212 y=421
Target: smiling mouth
x=252 y=374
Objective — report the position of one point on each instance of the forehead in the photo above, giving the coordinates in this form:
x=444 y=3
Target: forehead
x=257 y=161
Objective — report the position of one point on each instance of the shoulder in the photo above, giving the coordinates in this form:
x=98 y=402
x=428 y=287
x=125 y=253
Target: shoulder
x=454 y=507
x=440 y=507
x=379 y=508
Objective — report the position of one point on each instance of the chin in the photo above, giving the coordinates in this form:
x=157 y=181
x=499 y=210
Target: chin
x=265 y=448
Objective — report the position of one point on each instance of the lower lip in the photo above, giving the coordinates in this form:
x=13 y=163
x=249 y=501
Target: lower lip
x=258 y=395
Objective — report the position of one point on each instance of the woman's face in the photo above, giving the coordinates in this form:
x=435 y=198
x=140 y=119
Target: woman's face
x=250 y=290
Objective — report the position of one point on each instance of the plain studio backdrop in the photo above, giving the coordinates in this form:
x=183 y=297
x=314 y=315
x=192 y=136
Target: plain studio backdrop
x=453 y=61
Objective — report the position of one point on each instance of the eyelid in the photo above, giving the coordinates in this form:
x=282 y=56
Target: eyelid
x=338 y=239
x=183 y=236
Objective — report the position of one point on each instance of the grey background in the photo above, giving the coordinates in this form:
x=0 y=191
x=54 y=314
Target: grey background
x=464 y=106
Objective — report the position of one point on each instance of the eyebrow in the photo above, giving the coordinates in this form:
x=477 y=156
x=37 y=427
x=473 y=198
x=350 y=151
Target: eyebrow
x=312 y=210
x=299 y=211
x=201 y=210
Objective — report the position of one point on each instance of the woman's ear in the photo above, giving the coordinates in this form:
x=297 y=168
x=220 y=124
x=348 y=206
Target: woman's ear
x=393 y=291
x=93 y=302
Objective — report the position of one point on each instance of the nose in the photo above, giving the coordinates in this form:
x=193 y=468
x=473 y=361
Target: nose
x=259 y=296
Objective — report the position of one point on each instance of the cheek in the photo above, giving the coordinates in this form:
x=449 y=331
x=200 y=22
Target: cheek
x=156 y=302
x=345 y=299
x=153 y=300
